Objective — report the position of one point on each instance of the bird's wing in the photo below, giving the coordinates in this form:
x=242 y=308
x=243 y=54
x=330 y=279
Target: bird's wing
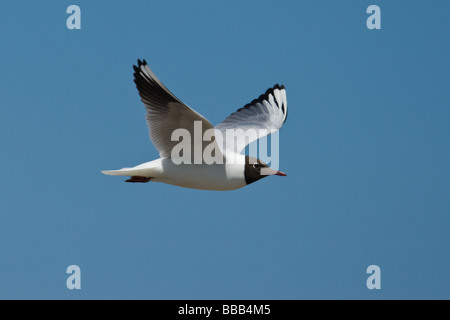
x=261 y=117
x=166 y=113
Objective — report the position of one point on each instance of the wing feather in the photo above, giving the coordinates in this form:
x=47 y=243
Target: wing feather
x=165 y=112
x=268 y=112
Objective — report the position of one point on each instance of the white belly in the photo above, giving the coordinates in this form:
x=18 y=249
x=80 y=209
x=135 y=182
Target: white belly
x=206 y=177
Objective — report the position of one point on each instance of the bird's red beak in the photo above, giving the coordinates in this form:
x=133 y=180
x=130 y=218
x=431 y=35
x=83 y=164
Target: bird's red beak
x=271 y=172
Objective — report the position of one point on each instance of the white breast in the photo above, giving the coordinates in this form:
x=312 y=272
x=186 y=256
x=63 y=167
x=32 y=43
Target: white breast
x=201 y=176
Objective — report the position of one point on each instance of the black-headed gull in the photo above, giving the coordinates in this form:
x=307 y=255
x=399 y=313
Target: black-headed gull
x=228 y=169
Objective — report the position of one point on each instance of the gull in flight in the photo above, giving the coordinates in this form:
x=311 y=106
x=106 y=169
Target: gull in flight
x=166 y=114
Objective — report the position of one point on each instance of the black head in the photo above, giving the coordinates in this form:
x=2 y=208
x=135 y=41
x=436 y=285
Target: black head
x=256 y=169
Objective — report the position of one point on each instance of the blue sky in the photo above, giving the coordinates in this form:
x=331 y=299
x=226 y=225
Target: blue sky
x=365 y=148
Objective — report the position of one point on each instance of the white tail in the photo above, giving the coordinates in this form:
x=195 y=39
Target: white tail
x=128 y=172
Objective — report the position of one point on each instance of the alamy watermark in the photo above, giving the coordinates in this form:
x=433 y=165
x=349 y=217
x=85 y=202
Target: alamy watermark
x=374 y=280
x=74 y=20
x=74 y=280
x=212 y=146
x=374 y=21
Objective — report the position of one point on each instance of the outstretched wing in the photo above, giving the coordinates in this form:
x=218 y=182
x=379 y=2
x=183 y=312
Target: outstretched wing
x=165 y=112
x=261 y=117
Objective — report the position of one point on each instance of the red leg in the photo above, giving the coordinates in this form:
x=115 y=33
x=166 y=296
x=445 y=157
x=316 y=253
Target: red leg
x=139 y=179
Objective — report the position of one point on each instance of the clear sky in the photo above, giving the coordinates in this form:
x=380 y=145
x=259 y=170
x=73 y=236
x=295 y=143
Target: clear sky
x=365 y=147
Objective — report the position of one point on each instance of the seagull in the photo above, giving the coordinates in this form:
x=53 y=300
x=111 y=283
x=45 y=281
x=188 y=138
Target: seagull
x=166 y=113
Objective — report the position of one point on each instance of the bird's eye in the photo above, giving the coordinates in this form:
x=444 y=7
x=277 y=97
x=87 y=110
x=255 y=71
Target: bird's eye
x=256 y=165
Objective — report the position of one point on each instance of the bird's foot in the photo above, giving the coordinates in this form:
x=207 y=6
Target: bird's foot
x=139 y=179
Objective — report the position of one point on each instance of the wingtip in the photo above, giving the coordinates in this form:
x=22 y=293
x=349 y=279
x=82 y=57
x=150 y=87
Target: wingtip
x=141 y=62
x=278 y=86
x=270 y=90
x=265 y=97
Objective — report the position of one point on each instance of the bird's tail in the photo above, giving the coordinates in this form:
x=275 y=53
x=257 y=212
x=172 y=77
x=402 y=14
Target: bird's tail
x=129 y=172
x=143 y=171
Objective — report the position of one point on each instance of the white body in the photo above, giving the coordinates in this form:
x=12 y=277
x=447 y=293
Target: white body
x=221 y=177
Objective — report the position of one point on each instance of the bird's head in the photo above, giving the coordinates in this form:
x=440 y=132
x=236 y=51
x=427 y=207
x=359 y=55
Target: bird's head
x=256 y=169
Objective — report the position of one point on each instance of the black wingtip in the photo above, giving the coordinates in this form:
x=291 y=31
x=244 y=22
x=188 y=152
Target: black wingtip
x=139 y=64
x=270 y=90
x=278 y=86
x=265 y=96
x=142 y=62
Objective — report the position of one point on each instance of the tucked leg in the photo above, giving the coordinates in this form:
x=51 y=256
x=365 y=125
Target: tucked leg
x=139 y=179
